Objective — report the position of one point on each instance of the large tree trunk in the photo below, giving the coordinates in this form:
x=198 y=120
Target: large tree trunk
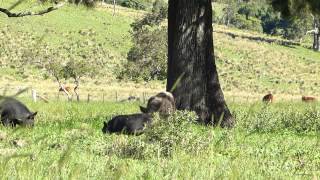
x=192 y=74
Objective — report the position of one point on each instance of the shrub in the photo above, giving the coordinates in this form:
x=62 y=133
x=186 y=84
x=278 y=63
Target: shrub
x=133 y=4
x=88 y=3
x=163 y=138
x=147 y=58
x=241 y=22
x=178 y=133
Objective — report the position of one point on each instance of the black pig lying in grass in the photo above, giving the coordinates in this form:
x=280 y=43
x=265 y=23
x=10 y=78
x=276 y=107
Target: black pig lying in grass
x=128 y=124
x=135 y=123
x=14 y=112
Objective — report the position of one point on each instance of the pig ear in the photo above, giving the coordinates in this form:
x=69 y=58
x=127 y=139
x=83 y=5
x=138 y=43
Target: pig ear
x=33 y=115
x=143 y=109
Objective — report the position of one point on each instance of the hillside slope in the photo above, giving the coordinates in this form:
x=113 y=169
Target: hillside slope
x=247 y=68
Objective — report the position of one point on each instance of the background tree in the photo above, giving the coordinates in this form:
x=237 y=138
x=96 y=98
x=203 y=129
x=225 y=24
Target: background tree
x=192 y=73
x=77 y=69
x=294 y=8
x=53 y=63
x=147 y=59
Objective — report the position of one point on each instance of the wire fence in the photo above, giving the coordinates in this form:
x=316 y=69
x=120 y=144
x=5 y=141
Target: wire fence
x=97 y=95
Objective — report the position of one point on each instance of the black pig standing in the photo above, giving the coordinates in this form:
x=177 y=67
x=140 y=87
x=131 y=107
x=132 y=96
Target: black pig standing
x=14 y=112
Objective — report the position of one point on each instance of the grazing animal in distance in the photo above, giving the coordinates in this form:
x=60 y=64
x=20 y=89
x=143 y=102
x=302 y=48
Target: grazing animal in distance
x=14 y=112
x=163 y=103
x=67 y=88
x=128 y=124
x=131 y=99
x=308 y=99
x=268 y=98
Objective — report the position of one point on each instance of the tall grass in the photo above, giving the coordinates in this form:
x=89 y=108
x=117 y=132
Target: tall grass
x=278 y=141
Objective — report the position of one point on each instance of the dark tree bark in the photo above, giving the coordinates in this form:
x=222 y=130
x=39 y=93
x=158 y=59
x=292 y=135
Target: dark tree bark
x=192 y=74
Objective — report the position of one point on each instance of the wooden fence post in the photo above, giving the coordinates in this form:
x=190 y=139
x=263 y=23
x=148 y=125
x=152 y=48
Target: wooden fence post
x=88 y=100
x=144 y=97
x=34 y=95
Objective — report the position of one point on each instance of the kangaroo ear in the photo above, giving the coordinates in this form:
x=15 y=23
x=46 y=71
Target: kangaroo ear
x=143 y=109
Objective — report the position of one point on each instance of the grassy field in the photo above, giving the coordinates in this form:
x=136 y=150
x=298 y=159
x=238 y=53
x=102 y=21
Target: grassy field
x=277 y=141
x=248 y=69
x=280 y=141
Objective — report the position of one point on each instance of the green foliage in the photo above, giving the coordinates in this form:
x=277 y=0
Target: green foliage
x=241 y=22
x=177 y=131
x=296 y=7
x=242 y=15
x=260 y=16
x=147 y=58
x=77 y=69
x=134 y=4
x=87 y=3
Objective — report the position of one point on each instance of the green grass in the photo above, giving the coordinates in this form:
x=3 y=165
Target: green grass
x=111 y=31
x=252 y=67
x=279 y=141
x=248 y=69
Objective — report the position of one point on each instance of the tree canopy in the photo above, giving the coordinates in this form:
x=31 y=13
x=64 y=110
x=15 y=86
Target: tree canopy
x=293 y=7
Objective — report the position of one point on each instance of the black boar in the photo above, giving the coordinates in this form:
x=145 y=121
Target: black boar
x=129 y=124
x=163 y=103
x=14 y=112
x=135 y=123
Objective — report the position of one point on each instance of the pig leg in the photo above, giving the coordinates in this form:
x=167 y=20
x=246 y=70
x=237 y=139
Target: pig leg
x=5 y=121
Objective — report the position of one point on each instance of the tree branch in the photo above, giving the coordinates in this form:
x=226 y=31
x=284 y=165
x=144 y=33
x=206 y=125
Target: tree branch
x=311 y=31
x=39 y=13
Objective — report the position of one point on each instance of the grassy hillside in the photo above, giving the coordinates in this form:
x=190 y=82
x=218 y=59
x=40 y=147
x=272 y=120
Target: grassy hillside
x=248 y=68
x=258 y=67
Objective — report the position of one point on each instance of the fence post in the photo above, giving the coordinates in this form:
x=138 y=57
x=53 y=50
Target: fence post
x=103 y=97
x=34 y=95
x=144 y=97
x=114 y=7
x=88 y=100
x=116 y=96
